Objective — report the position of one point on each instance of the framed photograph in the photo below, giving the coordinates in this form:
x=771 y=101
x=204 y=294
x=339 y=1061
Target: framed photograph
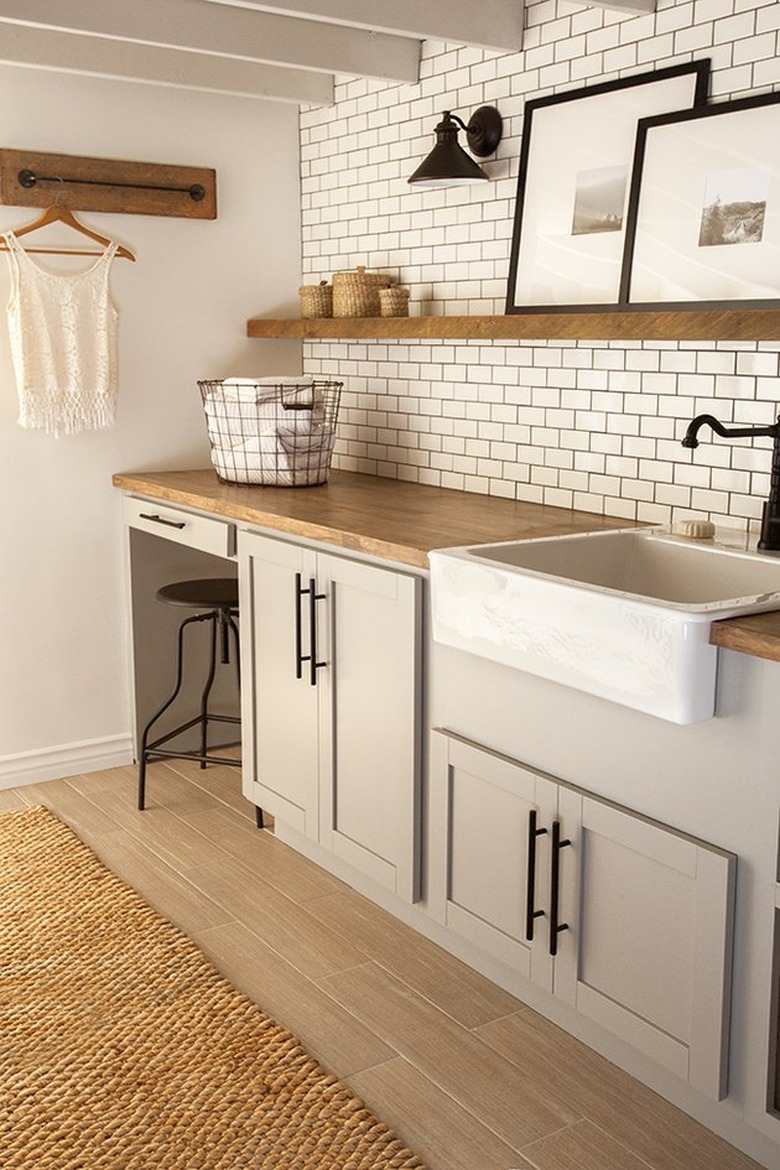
x=575 y=165
x=703 y=222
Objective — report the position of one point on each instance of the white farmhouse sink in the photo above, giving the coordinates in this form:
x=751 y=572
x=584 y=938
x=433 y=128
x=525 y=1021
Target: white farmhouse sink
x=624 y=614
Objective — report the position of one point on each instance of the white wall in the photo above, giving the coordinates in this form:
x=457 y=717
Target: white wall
x=182 y=312
x=585 y=424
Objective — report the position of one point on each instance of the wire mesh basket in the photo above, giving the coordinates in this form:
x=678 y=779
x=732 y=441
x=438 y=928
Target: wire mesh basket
x=277 y=432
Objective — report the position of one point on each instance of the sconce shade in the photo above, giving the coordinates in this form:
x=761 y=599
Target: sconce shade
x=448 y=165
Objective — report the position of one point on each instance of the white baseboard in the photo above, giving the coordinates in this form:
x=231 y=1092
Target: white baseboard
x=91 y=755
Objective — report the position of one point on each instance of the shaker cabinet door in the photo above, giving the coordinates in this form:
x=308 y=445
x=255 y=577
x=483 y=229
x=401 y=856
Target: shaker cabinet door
x=369 y=721
x=648 y=951
x=331 y=703
x=489 y=879
x=279 y=706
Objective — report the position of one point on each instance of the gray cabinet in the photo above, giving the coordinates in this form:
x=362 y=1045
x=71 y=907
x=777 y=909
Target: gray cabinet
x=331 y=703
x=583 y=898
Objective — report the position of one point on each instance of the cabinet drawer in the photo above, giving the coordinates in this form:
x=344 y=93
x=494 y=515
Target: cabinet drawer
x=202 y=532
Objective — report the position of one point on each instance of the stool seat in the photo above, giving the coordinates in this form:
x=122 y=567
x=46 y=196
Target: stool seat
x=208 y=593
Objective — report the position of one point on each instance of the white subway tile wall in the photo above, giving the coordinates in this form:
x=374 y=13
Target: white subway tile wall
x=590 y=425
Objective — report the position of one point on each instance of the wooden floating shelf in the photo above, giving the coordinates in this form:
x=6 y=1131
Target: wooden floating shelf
x=630 y=325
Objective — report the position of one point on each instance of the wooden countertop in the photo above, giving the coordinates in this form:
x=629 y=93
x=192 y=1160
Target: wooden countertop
x=402 y=522
x=384 y=518
x=757 y=634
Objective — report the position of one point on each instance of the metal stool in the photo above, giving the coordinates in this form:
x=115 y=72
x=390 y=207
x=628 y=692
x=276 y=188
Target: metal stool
x=216 y=599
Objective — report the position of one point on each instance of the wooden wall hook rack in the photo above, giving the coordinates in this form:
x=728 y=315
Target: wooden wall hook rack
x=34 y=179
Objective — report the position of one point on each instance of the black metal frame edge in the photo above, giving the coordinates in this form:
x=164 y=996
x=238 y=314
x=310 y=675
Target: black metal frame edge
x=752 y=102
x=642 y=307
x=702 y=71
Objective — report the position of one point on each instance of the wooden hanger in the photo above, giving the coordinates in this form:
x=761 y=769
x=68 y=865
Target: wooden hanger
x=59 y=214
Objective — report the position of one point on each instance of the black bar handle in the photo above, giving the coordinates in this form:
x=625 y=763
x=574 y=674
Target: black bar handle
x=28 y=179
x=299 y=656
x=161 y=520
x=312 y=591
x=314 y=597
x=531 y=912
x=555 y=877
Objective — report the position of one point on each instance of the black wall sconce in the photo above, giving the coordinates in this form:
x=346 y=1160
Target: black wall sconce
x=448 y=165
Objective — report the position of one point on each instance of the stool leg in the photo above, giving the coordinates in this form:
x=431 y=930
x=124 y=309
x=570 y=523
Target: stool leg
x=161 y=710
x=142 y=782
x=204 y=699
x=222 y=622
x=234 y=627
x=224 y=631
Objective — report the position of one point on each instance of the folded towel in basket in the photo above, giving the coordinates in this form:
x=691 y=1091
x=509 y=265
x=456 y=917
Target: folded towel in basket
x=240 y=411
x=271 y=380
x=266 y=459
x=302 y=445
x=230 y=422
x=259 y=389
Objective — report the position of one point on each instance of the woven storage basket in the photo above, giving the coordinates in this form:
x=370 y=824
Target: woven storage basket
x=316 y=299
x=277 y=432
x=356 y=293
x=394 y=301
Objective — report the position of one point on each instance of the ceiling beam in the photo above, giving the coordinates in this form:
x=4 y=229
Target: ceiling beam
x=229 y=31
x=488 y=24
x=38 y=48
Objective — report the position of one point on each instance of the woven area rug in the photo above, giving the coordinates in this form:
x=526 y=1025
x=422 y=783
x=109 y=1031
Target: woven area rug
x=121 y=1048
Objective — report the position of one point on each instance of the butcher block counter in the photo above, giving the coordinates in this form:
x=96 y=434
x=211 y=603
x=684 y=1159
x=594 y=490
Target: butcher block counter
x=384 y=518
x=402 y=522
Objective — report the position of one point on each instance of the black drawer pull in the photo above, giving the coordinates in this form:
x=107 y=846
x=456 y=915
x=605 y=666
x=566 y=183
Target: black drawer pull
x=531 y=912
x=314 y=597
x=161 y=520
x=555 y=926
x=311 y=657
x=299 y=657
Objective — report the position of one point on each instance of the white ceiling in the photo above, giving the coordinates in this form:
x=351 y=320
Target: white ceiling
x=291 y=50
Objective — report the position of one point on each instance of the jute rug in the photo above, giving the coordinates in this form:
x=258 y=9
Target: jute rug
x=121 y=1048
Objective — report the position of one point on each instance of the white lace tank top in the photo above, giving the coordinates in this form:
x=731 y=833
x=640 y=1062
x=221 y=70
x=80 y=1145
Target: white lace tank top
x=63 y=343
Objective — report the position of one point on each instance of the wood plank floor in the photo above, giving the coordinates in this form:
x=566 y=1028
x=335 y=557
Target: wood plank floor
x=467 y=1075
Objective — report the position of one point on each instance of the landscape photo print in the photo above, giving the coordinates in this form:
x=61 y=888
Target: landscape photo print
x=734 y=208
x=703 y=221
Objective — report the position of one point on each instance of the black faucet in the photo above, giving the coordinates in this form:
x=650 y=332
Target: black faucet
x=770 y=517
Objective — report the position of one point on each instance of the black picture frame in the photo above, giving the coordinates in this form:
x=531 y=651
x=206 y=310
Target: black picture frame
x=577 y=149
x=710 y=239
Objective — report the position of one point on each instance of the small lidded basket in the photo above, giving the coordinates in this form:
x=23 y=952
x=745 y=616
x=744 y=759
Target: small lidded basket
x=394 y=301
x=356 y=293
x=316 y=299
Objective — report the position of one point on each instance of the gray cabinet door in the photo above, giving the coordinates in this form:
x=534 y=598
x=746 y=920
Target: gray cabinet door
x=632 y=920
x=370 y=712
x=279 y=708
x=332 y=703
x=648 y=951
x=490 y=881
